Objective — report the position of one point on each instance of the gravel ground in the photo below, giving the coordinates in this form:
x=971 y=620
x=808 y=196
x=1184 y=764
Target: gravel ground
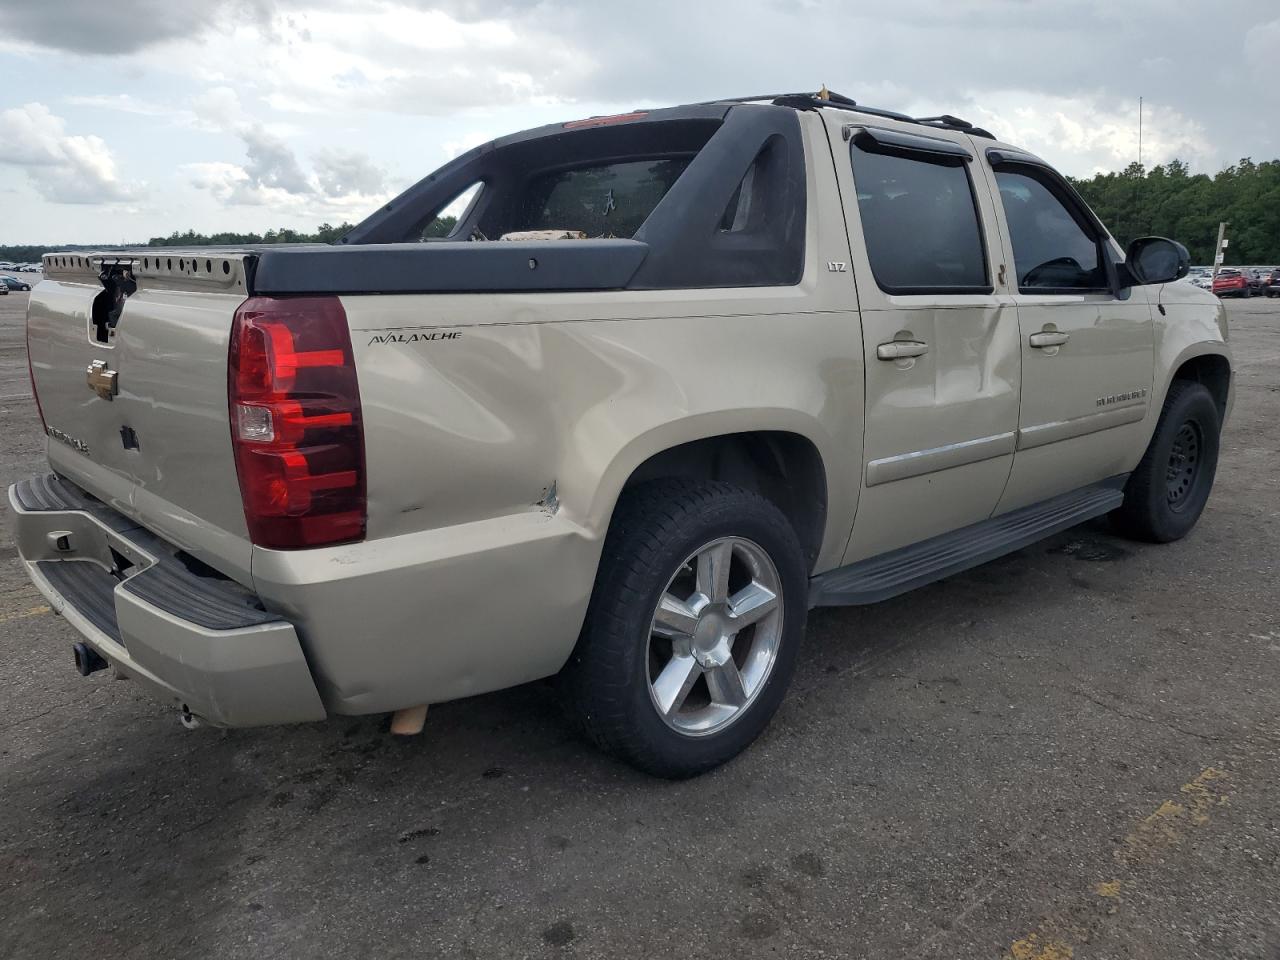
x=1071 y=751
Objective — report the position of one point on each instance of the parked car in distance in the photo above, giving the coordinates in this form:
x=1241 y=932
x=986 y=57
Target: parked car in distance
x=4 y=290
x=13 y=283
x=1271 y=282
x=1231 y=282
x=781 y=372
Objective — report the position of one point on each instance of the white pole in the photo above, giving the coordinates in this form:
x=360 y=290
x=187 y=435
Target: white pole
x=1139 y=132
x=1220 y=248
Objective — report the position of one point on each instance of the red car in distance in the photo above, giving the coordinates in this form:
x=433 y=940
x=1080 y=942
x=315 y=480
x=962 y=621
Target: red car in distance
x=1231 y=283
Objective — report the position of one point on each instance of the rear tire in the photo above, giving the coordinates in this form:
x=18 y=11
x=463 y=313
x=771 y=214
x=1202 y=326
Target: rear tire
x=679 y=666
x=1166 y=494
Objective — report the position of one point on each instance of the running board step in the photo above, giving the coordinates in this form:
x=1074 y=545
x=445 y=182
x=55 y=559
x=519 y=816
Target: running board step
x=885 y=576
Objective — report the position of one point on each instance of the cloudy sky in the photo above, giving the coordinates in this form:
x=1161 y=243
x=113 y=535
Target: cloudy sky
x=121 y=120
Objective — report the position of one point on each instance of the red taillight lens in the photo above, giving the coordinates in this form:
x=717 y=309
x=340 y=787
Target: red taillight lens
x=295 y=422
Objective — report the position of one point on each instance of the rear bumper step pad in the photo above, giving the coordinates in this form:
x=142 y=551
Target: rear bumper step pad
x=159 y=616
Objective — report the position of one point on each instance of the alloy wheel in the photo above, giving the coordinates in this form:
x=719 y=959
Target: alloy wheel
x=714 y=636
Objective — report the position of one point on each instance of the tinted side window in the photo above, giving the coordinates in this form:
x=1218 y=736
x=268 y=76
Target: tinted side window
x=920 y=222
x=1052 y=250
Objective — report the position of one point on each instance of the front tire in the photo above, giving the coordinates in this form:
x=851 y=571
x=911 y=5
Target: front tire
x=1166 y=494
x=694 y=624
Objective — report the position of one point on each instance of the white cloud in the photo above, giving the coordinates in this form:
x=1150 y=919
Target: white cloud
x=1091 y=133
x=218 y=108
x=276 y=97
x=271 y=162
x=344 y=172
x=1262 y=53
x=382 y=56
x=121 y=103
x=343 y=183
x=469 y=140
x=226 y=182
x=105 y=29
x=62 y=168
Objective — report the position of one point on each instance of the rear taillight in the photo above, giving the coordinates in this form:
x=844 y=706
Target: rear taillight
x=295 y=422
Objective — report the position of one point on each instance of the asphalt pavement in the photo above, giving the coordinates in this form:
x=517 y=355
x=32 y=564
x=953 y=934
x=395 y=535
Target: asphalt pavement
x=1070 y=752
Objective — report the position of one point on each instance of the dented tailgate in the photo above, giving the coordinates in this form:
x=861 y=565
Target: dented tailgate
x=129 y=360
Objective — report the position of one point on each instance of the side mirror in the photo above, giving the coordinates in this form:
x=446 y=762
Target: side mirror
x=1156 y=260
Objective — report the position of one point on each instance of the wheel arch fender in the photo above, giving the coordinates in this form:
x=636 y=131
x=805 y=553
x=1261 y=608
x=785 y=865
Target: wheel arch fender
x=602 y=476
x=1207 y=361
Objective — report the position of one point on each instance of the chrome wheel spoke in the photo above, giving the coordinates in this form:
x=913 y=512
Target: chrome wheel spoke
x=713 y=571
x=751 y=604
x=674 y=618
x=674 y=683
x=725 y=684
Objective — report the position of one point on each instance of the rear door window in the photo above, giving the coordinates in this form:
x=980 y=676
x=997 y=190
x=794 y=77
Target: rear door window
x=920 y=222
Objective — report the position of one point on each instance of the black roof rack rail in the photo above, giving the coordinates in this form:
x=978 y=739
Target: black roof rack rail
x=829 y=98
x=948 y=122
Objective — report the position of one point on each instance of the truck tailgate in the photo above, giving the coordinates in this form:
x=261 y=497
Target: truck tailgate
x=133 y=390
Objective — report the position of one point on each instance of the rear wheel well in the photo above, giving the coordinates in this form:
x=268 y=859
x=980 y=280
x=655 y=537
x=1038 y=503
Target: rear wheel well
x=1214 y=371
x=784 y=468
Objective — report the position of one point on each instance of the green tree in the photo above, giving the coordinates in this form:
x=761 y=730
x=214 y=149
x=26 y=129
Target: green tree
x=1170 y=201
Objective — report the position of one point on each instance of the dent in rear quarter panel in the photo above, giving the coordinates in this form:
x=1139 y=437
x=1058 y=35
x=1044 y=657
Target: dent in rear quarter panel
x=471 y=579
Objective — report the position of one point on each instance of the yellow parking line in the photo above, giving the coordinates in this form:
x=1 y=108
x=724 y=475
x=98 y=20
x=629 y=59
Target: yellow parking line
x=23 y=614
x=1167 y=826
x=1174 y=819
x=1031 y=947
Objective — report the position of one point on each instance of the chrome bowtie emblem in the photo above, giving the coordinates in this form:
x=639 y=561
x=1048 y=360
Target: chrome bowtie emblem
x=101 y=379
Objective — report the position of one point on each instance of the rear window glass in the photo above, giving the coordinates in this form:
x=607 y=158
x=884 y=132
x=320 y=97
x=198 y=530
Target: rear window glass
x=607 y=200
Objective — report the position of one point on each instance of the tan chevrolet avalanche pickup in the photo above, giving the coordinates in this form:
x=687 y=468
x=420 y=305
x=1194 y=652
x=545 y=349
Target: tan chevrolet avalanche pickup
x=674 y=378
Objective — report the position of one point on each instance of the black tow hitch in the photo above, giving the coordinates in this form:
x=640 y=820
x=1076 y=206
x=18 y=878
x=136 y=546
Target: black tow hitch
x=88 y=660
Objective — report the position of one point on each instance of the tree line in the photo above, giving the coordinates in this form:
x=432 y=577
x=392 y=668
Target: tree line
x=1167 y=200
x=325 y=233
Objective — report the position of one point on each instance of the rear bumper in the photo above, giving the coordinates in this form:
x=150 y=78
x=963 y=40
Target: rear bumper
x=188 y=633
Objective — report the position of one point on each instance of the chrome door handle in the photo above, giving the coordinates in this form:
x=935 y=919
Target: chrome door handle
x=901 y=349
x=1049 y=338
